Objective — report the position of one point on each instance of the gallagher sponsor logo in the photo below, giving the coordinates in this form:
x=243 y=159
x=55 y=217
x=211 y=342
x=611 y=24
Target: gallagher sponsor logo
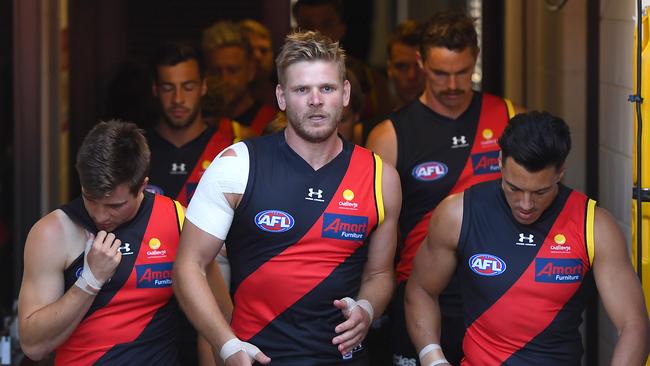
x=429 y=171
x=344 y=227
x=559 y=246
x=348 y=203
x=558 y=270
x=274 y=221
x=154 y=275
x=156 y=250
x=486 y=163
x=205 y=164
x=488 y=138
x=487 y=264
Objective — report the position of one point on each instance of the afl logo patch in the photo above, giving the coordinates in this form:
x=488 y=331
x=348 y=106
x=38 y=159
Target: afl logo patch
x=274 y=221
x=487 y=265
x=429 y=171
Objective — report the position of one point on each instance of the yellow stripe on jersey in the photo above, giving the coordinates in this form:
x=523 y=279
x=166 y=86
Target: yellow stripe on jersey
x=509 y=107
x=591 y=209
x=180 y=214
x=379 y=198
x=236 y=131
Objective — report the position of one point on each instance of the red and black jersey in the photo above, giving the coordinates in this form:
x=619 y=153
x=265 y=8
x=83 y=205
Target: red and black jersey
x=438 y=156
x=175 y=171
x=132 y=320
x=253 y=119
x=524 y=287
x=299 y=240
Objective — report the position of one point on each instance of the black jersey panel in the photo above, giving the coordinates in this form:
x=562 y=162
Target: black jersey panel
x=301 y=200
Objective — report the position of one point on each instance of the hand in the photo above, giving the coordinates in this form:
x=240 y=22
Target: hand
x=238 y=359
x=352 y=331
x=248 y=355
x=102 y=255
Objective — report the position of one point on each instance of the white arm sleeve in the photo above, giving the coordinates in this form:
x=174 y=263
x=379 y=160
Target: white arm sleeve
x=209 y=210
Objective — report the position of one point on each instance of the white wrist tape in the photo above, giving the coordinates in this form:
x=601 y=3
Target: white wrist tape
x=83 y=285
x=235 y=345
x=363 y=303
x=428 y=348
x=87 y=274
x=230 y=348
x=438 y=362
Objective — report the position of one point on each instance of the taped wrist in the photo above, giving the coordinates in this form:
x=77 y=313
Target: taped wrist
x=86 y=273
x=362 y=303
x=85 y=287
x=235 y=345
x=428 y=349
x=439 y=361
x=230 y=348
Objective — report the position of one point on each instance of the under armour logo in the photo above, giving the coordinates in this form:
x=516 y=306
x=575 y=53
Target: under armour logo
x=315 y=195
x=459 y=141
x=125 y=249
x=527 y=238
x=178 y=168
x=318 y=193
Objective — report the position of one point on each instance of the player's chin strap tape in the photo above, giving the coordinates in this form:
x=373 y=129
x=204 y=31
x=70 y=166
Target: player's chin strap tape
x=363 y=303
x=235 y=345
x=429 y=348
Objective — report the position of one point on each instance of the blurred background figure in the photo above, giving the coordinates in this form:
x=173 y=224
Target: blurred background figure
x=352 y=113
x=276 y=125
x=405 y=76
x=229 y=57
x=326 y=16
x=263 y=85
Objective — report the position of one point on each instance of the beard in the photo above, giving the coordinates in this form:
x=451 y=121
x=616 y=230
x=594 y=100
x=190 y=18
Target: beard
x=315 y=134
x=179 y=124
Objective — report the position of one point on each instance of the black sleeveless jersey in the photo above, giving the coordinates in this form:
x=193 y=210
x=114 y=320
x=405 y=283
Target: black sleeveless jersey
x=524 y=287
x=438 y=156
x=298 y=242
x=175 y=171
x=132 y=320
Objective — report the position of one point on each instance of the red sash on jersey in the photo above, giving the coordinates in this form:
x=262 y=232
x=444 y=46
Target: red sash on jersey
x=264 y=115
x=532 y=302
x=262 y=118
x=221 y=139
x=304 y=265
x=492 y=121
x=132 y=308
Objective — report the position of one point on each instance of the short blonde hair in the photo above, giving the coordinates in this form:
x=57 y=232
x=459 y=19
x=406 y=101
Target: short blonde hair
x=223 y=34
x=249 y=26
x=309 y=46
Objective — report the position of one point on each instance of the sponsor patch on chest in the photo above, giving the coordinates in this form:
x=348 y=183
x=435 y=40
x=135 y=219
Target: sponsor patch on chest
x=486 y=163
x=558 y=270
x=344 y=227
x=156 y=275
